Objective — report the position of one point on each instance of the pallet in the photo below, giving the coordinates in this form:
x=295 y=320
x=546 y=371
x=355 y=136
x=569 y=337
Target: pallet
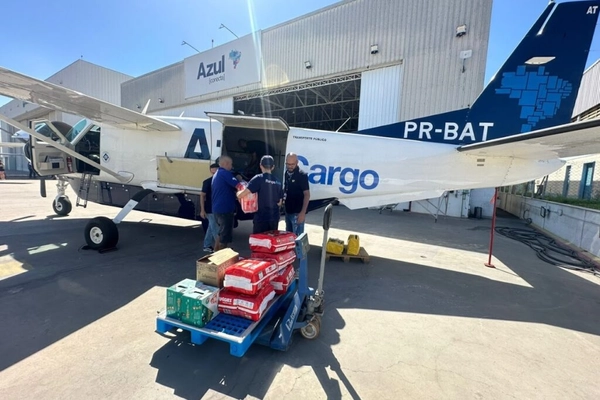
x=362 y=256
x=239 y=332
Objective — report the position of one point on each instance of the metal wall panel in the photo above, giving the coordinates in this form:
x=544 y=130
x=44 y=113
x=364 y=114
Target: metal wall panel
x=377 y=107
x=199 y=109
x=337 y=39
x=589 y=91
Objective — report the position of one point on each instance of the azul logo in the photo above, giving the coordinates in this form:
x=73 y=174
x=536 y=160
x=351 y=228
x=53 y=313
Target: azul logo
x=235 y=56
x=538 y=93
x=451 y=130
x=350 y=178
x=211 y=69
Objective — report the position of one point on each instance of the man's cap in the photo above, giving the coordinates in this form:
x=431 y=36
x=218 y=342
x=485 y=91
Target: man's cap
x=214 y=165
x=267 y=161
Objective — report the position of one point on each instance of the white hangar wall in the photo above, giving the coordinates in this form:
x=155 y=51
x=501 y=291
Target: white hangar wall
x=419 y=34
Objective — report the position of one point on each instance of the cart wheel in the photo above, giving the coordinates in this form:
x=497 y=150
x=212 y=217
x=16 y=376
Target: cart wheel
x=311 y=330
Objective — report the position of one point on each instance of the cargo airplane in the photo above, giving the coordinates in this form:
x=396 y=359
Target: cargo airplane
x=516 y=131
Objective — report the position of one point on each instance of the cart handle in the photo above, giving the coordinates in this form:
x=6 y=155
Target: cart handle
x=327 y=217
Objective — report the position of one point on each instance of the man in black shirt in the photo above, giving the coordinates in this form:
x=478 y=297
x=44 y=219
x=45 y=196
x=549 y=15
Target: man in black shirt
x=296 y=195
x=212 y=233
x=270 y=196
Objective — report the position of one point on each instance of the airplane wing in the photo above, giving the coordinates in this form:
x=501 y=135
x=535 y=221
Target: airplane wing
x=11 y=144
x=569 y=140
x=56 y=97
x=355 y=203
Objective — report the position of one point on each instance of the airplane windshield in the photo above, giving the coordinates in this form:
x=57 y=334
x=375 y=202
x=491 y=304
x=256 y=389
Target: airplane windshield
x=74 y=131
x=45 y=130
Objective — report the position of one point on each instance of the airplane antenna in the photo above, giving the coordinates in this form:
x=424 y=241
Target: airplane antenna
x=343 y=124
x=145 y=110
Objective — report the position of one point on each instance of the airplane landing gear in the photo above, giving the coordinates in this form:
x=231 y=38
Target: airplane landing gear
x=101 y=233
x=61 y=204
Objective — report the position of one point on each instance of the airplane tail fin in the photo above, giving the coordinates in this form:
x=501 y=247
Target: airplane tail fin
x=538 y=84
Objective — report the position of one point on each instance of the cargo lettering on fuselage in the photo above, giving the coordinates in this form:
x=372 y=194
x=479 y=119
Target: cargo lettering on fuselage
x=350 y=178
x=450 y=130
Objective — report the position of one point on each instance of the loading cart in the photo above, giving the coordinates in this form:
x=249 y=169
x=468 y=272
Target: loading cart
x=300 y=308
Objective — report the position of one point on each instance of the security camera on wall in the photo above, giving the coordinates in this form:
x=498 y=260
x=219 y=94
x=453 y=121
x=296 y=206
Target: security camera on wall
x=461 y=30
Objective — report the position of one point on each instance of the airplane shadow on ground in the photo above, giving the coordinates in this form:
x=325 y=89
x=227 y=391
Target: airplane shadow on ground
x=79 y=287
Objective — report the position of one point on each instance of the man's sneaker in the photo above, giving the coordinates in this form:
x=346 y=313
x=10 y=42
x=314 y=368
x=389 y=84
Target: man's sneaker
x=209 y=249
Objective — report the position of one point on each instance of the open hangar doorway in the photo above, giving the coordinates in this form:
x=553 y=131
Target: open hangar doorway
x=330 y=104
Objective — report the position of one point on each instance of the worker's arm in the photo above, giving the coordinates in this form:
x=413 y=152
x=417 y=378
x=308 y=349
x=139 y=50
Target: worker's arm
x=202 y=200
x=243 y=193
x=302 y=213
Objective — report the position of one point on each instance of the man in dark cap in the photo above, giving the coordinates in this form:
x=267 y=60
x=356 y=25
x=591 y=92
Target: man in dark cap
x=270 y=195
x=211 y=236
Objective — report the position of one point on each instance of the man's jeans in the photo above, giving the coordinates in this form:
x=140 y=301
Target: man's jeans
x=212 y=232
x=292 y=225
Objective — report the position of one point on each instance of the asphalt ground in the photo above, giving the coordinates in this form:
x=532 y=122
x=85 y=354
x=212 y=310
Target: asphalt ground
x=425 y=319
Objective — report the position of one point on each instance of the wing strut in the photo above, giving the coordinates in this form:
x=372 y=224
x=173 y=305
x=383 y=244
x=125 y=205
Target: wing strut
x=67 y=150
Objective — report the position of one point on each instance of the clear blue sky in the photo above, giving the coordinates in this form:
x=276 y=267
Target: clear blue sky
x=41 y=37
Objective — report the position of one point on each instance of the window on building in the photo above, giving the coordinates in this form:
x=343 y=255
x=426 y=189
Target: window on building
x=565 y=191
x=587 y=179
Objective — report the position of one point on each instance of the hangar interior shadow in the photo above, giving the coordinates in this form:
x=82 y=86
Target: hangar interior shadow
x=79 y=288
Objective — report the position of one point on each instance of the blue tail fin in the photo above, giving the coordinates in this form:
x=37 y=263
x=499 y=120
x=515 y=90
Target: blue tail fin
x=538 y=84
x=535 y=88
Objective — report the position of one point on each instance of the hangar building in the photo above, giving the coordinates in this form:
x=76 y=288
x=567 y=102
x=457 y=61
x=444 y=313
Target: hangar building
x=350 y=66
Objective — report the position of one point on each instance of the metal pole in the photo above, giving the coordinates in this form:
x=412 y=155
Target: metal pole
x=489 y=263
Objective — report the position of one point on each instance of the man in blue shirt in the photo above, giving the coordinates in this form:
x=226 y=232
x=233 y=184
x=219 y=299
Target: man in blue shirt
x=270 y=195
x=224 y=200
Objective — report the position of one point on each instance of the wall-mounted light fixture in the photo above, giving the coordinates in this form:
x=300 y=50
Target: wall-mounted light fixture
x=461 y=30
x=374 y=49
x=307 y=64
x=138 y=106
x=161 y=100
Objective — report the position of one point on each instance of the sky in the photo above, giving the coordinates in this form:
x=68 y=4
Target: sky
x=40 y=37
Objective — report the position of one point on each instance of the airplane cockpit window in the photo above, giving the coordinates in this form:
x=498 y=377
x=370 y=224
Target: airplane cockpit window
x=78 y=127
x=45 y=130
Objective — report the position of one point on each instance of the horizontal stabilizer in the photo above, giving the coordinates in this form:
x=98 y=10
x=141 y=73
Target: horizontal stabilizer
x=56 y=97
x=569 y=140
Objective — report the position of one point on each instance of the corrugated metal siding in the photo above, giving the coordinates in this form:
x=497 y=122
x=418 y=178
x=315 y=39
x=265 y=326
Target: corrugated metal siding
x=589 y=91
x=337 y=40
x=198 y=110
x=82 y=76
x=376 y=107
x=166 y=83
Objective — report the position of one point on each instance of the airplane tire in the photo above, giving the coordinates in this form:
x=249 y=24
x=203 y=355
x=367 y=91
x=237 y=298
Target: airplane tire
x=62 y=206
x=101 y=233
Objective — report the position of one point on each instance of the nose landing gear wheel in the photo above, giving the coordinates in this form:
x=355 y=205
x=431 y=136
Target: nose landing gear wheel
x=62 y=206
x=101 y=233
x=312 y=329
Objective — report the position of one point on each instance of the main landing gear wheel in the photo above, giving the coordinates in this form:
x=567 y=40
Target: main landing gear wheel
x=101 y=233
x=62 y=206
x=311 y=330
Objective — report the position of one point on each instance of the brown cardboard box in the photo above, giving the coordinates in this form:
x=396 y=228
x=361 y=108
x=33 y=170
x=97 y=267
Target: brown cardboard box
x=210 y=269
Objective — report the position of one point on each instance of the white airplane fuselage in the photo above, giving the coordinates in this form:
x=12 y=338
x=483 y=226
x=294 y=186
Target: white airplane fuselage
x=359 y=170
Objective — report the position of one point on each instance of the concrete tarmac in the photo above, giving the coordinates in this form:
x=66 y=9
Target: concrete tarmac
x=424 y=320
